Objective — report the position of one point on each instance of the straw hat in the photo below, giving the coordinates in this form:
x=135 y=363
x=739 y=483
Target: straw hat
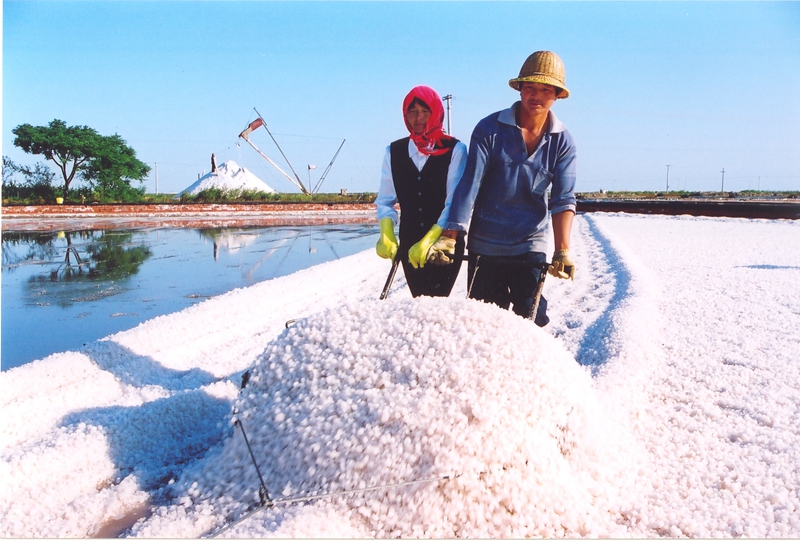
x=542 y=67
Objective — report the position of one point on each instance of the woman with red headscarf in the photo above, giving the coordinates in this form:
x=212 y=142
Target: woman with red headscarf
x=420 y=172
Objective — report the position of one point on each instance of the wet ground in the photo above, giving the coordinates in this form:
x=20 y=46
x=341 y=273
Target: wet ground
x=64 y=287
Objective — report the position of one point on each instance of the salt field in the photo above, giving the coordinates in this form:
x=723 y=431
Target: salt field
x=663 y=400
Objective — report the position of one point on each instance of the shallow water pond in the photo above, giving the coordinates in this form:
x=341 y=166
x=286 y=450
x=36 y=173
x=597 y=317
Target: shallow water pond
x=63 y=289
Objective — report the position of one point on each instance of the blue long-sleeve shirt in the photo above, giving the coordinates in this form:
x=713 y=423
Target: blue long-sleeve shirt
x=508 y=189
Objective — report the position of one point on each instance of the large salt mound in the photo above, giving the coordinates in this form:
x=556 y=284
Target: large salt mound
x=380 y=393
x=228 y=176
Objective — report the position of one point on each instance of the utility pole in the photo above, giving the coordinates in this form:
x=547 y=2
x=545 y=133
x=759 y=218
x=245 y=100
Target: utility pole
x=156 y=178
x=447 y=99
x=668 y=178
x=310 y=167
x=723 y=180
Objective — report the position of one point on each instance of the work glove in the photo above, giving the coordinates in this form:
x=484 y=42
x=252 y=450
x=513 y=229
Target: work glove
x=562 y=266
x=387 y=244
x=418 y=254
x=442 y=252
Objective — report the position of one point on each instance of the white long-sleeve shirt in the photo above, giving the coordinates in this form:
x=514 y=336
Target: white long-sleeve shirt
x=387 y=196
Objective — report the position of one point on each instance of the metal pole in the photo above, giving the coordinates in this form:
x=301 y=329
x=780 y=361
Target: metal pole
x=447 y=99
x=298 y=185
x=156 y=178
x=723 y=180
x=474 y=273
x=302 y=188
x=668 y=178
x=389 y=279
x=325 y=173
x=537 y=295
x=263 y=495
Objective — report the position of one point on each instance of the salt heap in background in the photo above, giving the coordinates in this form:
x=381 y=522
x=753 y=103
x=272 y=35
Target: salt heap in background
x=228 y=176
x=377 y=393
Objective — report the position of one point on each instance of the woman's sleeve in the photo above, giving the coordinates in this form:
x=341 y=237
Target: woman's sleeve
x=458 y=162
x=387 y=197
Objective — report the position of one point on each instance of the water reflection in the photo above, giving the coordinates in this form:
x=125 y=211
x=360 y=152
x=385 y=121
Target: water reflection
x=62 y=289
x=71 y=251
x=229 y=240
x=93 y=266
x=20 y=248
x=106 y=256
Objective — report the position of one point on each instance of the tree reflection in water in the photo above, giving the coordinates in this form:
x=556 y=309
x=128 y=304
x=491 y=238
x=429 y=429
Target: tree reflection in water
x=114 y=257
x=41 y=248
x=109 y=258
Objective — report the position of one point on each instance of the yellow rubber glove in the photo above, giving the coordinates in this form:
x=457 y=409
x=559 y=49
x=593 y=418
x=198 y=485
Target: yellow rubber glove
x=387 y=244
x=442 y=252
x=418 y=254
x=562 y=266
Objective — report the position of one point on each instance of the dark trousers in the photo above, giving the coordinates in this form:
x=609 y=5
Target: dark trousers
x=508 y=281
x=432 y=280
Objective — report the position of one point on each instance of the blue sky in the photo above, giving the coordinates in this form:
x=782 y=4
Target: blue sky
x=697 y=86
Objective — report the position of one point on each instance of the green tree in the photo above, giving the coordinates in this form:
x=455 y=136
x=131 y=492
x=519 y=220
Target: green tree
x=68 y=147
x=9 y=168
x=39 y=175
x=113 y=169
x=80 y=152
x=38 y=180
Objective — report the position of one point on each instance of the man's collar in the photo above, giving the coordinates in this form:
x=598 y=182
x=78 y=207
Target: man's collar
x=509 y=116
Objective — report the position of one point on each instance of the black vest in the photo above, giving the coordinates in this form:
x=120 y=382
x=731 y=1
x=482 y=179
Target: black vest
x=421 y=194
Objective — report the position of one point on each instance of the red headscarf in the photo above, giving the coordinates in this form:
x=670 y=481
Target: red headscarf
x=431 y=140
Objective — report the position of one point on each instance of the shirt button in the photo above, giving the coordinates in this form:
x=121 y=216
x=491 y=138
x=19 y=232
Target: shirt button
x=422 y=224
x=419 y=178
x=420 y=193
x=420 y=209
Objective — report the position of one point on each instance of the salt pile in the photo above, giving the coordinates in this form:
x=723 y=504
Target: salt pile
x=378 y=393
x=228 y=176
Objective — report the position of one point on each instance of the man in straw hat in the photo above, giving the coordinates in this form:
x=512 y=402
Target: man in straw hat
x=515 y=156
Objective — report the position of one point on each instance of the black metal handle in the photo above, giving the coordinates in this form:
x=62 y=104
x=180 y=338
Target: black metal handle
x=537 y=296
x=390 y=278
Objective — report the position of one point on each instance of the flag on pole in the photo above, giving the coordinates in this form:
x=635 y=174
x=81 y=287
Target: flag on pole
x=254 y=125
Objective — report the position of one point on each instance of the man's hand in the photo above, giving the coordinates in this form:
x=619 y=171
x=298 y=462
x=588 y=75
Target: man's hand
x=562 y=266
x=418 y=254
x=387 y=243
x=442 y=251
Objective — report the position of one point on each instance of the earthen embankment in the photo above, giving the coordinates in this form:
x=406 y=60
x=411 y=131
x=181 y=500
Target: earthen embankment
x=191 y=215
